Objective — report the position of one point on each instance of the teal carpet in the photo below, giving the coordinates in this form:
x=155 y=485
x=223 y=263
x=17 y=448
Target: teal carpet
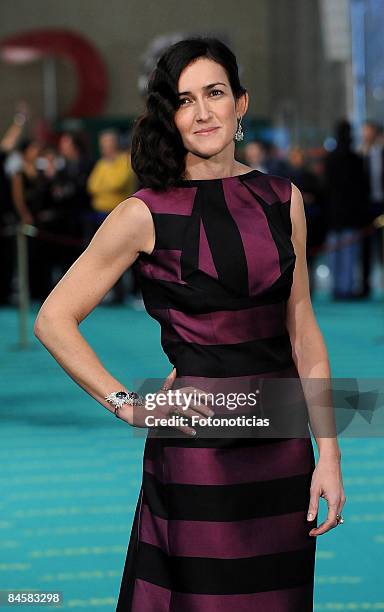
x=70 y=471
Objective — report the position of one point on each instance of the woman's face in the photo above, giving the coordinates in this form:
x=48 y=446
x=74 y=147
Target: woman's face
x=207 y=101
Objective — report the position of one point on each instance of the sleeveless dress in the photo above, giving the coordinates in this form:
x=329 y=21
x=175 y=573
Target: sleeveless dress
x=220 y=523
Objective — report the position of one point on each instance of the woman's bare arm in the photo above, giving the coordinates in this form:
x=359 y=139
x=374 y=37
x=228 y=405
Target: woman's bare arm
x=9 y=140
x=312 y=362
x=126 y=231
x=308 y=346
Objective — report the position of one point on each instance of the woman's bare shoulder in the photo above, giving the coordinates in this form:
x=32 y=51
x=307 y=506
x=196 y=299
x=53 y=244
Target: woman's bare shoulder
x=134 y=215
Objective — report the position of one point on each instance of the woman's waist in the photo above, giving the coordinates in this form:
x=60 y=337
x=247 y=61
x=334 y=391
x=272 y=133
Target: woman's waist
x=250 y=359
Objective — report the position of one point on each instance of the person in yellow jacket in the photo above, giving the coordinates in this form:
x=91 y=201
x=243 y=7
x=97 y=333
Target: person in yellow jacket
x=112 y=178
x=111 y=181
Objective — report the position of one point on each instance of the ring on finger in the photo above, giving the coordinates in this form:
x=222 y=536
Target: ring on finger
x=176 y=411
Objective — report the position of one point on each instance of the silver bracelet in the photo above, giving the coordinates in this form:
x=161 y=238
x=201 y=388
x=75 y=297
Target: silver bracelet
x=119 y=398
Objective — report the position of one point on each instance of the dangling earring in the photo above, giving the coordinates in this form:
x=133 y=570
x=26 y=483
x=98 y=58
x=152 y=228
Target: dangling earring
x=239 y=132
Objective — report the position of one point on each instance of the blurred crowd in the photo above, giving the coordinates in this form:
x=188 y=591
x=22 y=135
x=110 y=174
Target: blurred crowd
x=343 y=193
x=62 y=191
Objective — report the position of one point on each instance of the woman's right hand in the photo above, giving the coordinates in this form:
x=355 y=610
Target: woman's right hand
x=163 y=405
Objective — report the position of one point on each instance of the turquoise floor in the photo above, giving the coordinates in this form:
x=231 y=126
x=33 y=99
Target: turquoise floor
x=70 y=471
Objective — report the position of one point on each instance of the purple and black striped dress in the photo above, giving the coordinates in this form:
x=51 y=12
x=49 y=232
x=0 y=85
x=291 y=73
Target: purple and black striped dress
x=220 y=523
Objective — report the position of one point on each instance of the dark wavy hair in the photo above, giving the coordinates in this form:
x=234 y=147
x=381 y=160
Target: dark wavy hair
x=158 y=152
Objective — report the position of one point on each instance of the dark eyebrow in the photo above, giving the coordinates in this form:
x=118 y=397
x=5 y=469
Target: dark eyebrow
x=183 y=93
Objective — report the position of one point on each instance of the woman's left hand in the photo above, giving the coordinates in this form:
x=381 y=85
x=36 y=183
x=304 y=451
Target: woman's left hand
x=168 y=382
x=326 y=482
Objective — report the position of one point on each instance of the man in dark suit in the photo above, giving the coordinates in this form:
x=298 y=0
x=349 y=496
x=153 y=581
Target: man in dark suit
x=372 y=150
x=347 y=199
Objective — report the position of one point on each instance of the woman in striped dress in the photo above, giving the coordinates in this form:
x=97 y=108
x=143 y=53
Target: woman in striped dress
x=223 y=523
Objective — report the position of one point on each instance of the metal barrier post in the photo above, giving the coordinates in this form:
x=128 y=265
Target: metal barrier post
x=22 y=273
